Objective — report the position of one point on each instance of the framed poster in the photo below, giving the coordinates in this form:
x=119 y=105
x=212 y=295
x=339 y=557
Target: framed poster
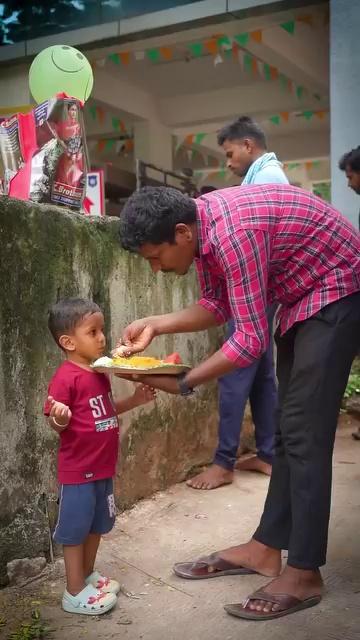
x=94 y=201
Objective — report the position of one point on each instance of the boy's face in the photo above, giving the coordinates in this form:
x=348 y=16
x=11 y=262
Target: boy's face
x=87 y=341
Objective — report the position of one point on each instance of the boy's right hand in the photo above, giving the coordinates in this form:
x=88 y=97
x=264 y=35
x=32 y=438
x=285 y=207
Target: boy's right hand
x=60 y=413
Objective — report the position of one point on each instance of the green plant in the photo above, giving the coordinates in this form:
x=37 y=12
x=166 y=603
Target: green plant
x=33 y=630
x=353 y=385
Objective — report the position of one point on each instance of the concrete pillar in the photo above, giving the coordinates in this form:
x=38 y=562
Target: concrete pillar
x=344 y=98
x=153 y=143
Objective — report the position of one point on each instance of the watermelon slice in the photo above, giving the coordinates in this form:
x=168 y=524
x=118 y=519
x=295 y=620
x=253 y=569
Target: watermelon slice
x=173 y=358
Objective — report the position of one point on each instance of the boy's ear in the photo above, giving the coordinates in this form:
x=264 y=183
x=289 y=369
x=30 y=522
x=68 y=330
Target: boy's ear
x=67 y=343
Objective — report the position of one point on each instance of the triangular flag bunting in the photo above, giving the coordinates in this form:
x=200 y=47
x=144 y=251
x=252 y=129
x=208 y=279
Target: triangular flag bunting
x=218 y=59
x=109 y=145
x=189 y=139
x=267 y=72
x=307 y=114
x=199 y=137
x=129 y=144
x=308 y=19
x=285 y=116
x=101 y=145
x=114 y=57
x=211 y=46
x=153 y=55
x=256 y=35
x=320 y=114
x=115 y=123
x=242 y=39
x=125 y=57
x=224 y=42
x=274 y=73
x=299 y=92
x=275 y=119
x=248 y=62
x=139 y=55
x=100 y=114
x=308 y=165
x=196 y=48
x=235 y=49
x=166 y=53
x=289 y=26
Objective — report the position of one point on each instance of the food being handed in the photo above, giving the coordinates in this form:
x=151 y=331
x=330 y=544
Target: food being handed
x=173 y=358
x=172 y=364
x=139 y=362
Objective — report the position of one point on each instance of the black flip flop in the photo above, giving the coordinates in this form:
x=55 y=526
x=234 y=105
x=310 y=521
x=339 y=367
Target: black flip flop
x=287 y=604
x=212 y=566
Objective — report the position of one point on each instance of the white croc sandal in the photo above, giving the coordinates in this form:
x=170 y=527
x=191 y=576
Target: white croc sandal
x=89 y=602
x=107 y=585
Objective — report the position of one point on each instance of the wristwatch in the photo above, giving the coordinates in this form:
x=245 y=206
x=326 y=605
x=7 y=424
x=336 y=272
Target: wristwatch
x=185 y=390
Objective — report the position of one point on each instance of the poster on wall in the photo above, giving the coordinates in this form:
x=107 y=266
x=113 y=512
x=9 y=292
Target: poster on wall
x=94 y=201
x=322 y=190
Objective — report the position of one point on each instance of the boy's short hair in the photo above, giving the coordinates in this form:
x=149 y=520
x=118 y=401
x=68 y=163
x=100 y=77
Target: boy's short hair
x=66 y=314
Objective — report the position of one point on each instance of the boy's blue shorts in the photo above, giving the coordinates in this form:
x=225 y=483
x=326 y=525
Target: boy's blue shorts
x=83 y=509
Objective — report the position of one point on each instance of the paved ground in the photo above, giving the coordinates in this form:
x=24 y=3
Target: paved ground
x=182 y=524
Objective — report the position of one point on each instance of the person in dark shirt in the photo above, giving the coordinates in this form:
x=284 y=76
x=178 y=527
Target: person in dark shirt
x=350 y=163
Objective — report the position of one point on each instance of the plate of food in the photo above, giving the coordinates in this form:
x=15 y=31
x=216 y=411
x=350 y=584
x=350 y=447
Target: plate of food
x=171 y=365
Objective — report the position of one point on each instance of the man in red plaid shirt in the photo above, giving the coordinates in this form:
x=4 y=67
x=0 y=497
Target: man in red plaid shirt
x=254 y=246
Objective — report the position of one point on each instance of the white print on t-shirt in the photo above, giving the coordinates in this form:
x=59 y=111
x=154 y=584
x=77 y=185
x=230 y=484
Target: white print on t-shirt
x=111 y=505
x=97 y=406
x=105 y=425
x=99 y=411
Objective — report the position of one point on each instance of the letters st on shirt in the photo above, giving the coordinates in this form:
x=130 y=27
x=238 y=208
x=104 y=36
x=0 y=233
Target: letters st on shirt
x=102 y=421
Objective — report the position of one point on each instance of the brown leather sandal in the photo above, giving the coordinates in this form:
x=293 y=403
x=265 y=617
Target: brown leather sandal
x=212 y=566
x=287 y=604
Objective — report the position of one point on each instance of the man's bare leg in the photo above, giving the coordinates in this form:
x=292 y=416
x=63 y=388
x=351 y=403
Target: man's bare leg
x=253 y=463
x=212 y=478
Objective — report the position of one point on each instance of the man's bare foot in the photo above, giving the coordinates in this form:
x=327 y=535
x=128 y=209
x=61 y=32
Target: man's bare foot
x=300 y=583
x=253 y=463
x=254 y=555
x=212 y=478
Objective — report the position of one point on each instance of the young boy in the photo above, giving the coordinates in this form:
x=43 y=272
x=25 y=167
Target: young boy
x=81 y=409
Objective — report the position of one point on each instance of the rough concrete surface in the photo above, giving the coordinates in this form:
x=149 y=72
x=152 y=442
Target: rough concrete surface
x=48 y=253
x=182 y=523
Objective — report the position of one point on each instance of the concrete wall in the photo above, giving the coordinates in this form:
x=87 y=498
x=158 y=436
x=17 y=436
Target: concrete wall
x=47 y=253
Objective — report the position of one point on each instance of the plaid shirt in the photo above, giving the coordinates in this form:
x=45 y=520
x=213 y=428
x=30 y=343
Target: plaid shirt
x=271 y=243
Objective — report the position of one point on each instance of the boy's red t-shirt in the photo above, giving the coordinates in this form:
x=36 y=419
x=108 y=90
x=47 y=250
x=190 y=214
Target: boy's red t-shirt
x=89 y=445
